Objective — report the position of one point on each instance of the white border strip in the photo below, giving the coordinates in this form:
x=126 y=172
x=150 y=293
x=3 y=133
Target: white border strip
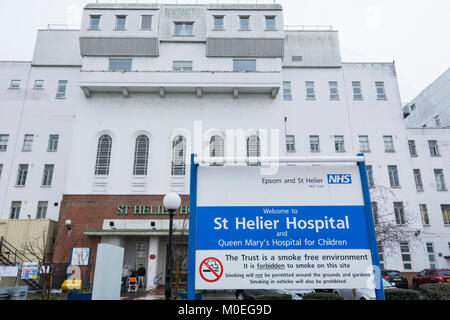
x=222 y=160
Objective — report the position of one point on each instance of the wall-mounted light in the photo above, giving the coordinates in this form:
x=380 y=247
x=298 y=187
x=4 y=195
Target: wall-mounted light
x=68 y=225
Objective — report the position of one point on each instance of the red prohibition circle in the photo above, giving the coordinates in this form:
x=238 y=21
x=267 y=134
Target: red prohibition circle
x=218 y=276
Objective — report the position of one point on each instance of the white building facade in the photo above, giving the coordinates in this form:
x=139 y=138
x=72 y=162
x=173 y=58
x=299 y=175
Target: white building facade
x=127 y=95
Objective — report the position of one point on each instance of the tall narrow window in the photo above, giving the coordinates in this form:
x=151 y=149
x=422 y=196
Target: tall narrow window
x=22 y=173
x=47 y=176
x=424 y=214
x=42 y=210
x=370 y=179
x=290 y=143
x=339 y=144
x=94 y=23
x=141 y=156
x=314 y=144
x=445 y=208
x=388 y=144
x=440 y=180
x=216 y=147
x=334 y=91
x=271 y=24
x=28 y=142
x=287 y=92
x=15 y=209
x=434 y=149
x=310 y=91
x=61 y=89
x=146 y=22
x=179 y=156
x=253 y=149
x=219 y=23
x=418 y=179
x=381 y=92
x=1 y=170
x=381 y=254
x=53 y=142
x=364 y=144
x=4 y=142
x=103 y=155
x=393 y=176
x=357 y=91
x=431 y=256
x=120 y=22
x=376 y=218
x=399 y=211
x=412 y=148
x=183 y=29
x=244 y=23
x=406 y=255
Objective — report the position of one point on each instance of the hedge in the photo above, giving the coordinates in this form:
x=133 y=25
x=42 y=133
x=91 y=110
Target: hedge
x=274 y=296
x=401 y=294
x=322 y=296
x=435 y=291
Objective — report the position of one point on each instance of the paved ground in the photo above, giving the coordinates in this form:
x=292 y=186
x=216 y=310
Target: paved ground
x=158 y=295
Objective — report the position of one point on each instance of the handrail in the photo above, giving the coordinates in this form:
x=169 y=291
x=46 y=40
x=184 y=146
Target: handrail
x=305 y=27
x=18 y=256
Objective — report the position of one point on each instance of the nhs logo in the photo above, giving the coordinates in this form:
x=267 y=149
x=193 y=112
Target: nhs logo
x=339 y=179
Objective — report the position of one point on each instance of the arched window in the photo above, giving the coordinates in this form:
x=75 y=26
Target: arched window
x=253 y=148
x=103 y=155
x=141 y=156
x=216 y=148
x=179 y=156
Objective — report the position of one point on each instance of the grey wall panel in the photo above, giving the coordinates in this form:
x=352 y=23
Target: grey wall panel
x=223 y=47
x=119 y=46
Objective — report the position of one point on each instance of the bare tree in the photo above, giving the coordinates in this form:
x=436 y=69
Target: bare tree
x=180 y=258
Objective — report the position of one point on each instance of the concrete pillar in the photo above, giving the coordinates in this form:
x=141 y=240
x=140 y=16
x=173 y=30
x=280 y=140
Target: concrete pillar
x=152 y=265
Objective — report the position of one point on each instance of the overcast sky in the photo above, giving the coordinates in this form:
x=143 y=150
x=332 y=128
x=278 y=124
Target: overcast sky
x=413 y=33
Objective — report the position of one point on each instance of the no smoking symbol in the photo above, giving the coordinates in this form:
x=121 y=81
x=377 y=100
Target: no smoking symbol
x=211 y=269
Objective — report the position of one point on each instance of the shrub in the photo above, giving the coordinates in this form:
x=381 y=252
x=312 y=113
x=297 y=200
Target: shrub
x=274 y=296
x=435 y=291
x=401 y=294
x=322 y=296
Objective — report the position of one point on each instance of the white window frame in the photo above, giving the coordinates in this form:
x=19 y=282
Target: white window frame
x=47 y=175
x=121 y=26
x=103 y=157
x=15 y=209
x=394 y=179
x=178 y=165
x=272 y=26
x=184 y=30
x=412 y=148
x=91 y=19
x=61 y=89
x=243 y=27
x=445 y=208
x=440 y=180
x=218 y=26
x=237 y=61
x=28 y=142
x=182 y=66
x=418 y=179
x=22 y=173
x=431 y=255
x=388 y=144
x=216 y=148
x=424 y=214
x=53 y=141
x=334 y=90
x=310 y=90
x=370 y=179
x=339 y=143
x=253 y=148
x=357 y=90
x=314 y=145
x=125 y=64
x=147 y=27
x=141 y=150
x=42 y=208
x=434 y=148
x=381 y=90
x=405 y=252
x=38 y=85
x=290 y=143
x=4 y=142
x=364 y=144
x=287 y=90
x=15 y=84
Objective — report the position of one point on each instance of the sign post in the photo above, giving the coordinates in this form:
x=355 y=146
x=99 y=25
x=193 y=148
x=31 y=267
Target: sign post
x=307 y=226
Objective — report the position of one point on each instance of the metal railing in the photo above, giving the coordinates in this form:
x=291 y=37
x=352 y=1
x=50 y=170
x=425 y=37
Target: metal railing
x=9 y=253
x=63 y=27
x=308 y=27
x=188 y=1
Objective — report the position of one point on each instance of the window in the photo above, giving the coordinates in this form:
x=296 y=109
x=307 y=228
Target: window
x=357 y=91
x=434 y=149
x=440 y=180
x=4 y=142
x=219 y=23
x=339 y=144
x=253 y=149
x=393 y=176
x=412 y=148
x=179 y=156
x=61 y=89
x=42 y=210
x=287 y=92
x=28 y=142
x=244 y=65
x=314 y=144
x=120 y=22
x=22 y=175
x=146 y=22
x=418 y=179
x=244 y=23
x=399 y=211
x=53 y=142
x=290 y=143
x=38 y=84
x=120 y=64
x=445 y=208
x=182 y=65
x=141 y=156
x=216 y=147
x=15 y=84
x=1 y=169
x=310 y=92
x=334 y=92
x=424 y=214
x=431 y=256
x=15 y=209
x=437 y=121
x=388 y=144
x=364 y=144
x=47 y=176
x=370 y=179
x=94 y=23
x=376 y=218
x=184 y=29
x=271 y=24
x=103 y=155
x=406 y=255
x=380 y=254
x=381 y=92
